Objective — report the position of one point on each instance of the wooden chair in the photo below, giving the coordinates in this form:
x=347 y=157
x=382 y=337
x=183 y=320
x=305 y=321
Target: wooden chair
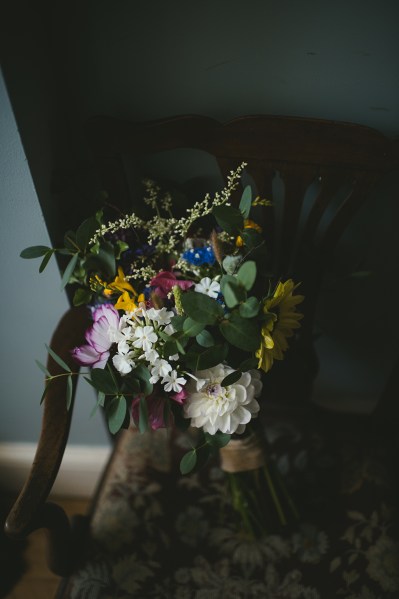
x=326 y=158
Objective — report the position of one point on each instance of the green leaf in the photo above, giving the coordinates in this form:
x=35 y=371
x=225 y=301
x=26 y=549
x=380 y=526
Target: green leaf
x=230 y=263
x=233 y=294
x=70 y=241
x=231 y=378
x=246 y=201
x=81 y=296
x=143 y=415
x=229 y=218
x=192 y=328
x=232 y=280
x=103 y=261
x=43 y=368
x=248 y=364
x=143 y=374
x=59 y=360
x=201 y=307
x=247 y=274
x=45 y=260
x=249 y=308
x=69 y=271
x=241 y=332
x=217 y=440
x=102 y=380
x=188 y=462
x=69 y=391
x=99 y=402
x=252 y=239
x=35 y=251
x=178 y=322
x=116 y=412
x=206 y=359
x=205 y=339
x=86 y=231
x=120 y=246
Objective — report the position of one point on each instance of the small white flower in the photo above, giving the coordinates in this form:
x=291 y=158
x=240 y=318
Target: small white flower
x=160 y=369
x=227 y=409
x=145 y=337
x=123 y=363
x=151 y=355
x=173 y=382
x=169 y=329
x=123 y=347
x=162 y=316
x=208 y=287
x=174 y=357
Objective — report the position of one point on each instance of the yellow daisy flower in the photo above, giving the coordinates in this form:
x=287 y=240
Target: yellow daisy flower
x=284 y=319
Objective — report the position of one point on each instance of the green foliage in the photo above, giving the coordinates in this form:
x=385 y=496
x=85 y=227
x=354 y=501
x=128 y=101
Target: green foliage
x=217 y=440
x=250 y=308
x=205 y=339
x=188 y=462
x=241 y=332
x=192 y=328
x=231 y=378
x=116 y=412
x=246 y=274
x=57 y=359
x=35 y=251
x=81 y=296
x=229 y=219
x=201 y=308
x=246 y=201
x=69 y=270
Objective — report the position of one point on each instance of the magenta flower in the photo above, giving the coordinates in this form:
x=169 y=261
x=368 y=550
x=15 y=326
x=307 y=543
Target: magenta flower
x=96 y=352
x=156 y=408
x=165 y=281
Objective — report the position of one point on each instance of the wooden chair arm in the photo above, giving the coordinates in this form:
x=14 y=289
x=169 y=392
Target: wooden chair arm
x=30 y=510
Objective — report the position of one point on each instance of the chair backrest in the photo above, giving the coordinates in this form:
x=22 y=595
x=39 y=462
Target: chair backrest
x=317 y=174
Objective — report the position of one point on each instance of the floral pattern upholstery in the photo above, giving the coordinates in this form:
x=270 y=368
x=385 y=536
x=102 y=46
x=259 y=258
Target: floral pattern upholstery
x=156 y=534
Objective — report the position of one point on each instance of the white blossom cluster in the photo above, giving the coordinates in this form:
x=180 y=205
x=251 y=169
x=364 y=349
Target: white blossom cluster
x=140 y=336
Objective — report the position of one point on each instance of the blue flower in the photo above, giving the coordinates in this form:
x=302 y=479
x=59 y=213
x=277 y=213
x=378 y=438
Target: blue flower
x=198 y=256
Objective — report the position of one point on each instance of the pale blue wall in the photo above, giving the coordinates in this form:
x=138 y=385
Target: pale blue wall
x=31 y=304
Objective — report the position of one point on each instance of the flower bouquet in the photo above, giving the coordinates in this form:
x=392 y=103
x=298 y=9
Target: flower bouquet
x=185 y=317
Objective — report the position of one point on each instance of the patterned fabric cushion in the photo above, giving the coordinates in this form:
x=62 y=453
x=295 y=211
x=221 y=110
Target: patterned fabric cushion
x=156 y=534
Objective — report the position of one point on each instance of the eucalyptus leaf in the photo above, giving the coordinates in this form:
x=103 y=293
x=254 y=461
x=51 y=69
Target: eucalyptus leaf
x=230 y=264
x=246 y=274
x=210 y=357
x=192 y=328
x=205 y=339
x=201 y=307
x=188 y=462
x=35 y=251
x=233 y=294
x=116 y=412
x=246 y=201
x=241 y=332
x=69 y=271
x=178 y=322
x=229 y=219
x=249 y=308
x=57 y=358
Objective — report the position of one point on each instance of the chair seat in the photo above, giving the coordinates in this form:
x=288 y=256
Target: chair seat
x=157 y=534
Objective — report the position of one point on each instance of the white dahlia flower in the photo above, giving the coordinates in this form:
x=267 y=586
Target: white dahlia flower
x=227 y=409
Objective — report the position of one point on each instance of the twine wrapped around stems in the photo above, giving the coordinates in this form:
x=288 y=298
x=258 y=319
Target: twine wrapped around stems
x=242 y=455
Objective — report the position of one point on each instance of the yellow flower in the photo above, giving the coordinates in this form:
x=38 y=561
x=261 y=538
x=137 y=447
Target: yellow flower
x=248 y=224
x=120 y=284
x=284 y=319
